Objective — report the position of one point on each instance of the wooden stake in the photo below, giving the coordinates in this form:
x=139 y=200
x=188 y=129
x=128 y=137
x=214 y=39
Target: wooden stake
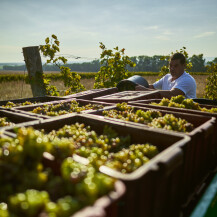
x=34 y=67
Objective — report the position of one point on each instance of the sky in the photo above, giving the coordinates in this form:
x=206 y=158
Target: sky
x=142 y=27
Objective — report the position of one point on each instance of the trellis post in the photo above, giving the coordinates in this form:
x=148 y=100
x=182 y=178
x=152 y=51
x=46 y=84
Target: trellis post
x=32 y=59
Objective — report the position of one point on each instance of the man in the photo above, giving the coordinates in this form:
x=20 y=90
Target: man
x=178 y=82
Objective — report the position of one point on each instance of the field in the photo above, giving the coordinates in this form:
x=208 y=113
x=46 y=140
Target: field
x=19 y=89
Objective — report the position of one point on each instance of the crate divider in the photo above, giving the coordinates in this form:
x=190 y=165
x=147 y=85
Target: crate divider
x=90 y=94
x=126 y=96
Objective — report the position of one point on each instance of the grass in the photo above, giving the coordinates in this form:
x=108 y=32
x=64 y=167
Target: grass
x=19 y=89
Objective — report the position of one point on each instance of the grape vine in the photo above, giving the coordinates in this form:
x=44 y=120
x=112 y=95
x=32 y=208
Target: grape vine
x=211 y=82
x=113 y=67
x=70 y=79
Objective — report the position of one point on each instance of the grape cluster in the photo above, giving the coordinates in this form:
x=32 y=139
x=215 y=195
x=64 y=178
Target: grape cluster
x=181 y=102
x=87 y=180
x=170 y=122
x=29 y=203
x=151 y=118
x=21 y=157
x=129 y=159
x=28 y=187
x=10 y=104
x=80 y=186
x=4 y=210
x=5 y=122
x=64 y=108
x=83 y=141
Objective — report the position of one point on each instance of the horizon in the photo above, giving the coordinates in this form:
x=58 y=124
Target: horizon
x=71 y=62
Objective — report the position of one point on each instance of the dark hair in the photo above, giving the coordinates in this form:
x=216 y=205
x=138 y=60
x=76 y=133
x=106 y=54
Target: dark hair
x=178 y=56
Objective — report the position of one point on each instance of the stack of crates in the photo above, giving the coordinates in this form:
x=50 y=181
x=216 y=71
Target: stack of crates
x=157 y=188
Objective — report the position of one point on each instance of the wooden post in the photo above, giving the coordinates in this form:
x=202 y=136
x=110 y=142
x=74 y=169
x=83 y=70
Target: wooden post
x=32 y=59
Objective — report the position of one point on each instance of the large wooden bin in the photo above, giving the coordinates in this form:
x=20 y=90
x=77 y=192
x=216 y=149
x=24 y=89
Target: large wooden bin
x=153 y=188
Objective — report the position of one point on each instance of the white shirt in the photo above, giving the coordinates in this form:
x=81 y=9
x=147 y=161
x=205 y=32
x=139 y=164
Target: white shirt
x=185 y=83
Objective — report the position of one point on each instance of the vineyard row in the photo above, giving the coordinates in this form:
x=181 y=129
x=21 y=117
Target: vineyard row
x=87 y=75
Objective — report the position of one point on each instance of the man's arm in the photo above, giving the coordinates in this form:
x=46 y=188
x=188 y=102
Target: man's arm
x=159 y=94
x=140 y=87
x=170 y=93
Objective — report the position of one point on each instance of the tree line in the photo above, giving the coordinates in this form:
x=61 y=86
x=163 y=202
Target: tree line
x=143 y=64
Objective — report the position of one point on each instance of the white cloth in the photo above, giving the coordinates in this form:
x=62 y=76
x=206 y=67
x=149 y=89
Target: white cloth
x=185 y=83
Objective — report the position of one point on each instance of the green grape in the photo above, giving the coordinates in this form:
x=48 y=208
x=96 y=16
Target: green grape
x=129 y=159
x=181 y=102
x=62 y=147
x=10 y=104
x=64 y=108
x=66 y=206
x=170 y=122
x=124 y=107
x=89 y=184
x=4 y=210
x=5 y=122
x=30 y=203
x=51 y=209
x=28 y=103
x=72 y=170
x=34 y=142
x=213 y=110
x=148 y=115
x=165 y=102
x=178 y=99
x=153 y=118
x=22 y=157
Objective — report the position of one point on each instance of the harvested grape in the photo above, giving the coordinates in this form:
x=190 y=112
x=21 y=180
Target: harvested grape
x=5 y=122
x=151 y=118
x=28 y=204
x=10 y=104
x=170 y=122
x=29 y=188
x=64 y=108
x=181 y=102
x=129 y=159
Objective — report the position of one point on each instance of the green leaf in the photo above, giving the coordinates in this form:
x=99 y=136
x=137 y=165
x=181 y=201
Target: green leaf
x=47 y=40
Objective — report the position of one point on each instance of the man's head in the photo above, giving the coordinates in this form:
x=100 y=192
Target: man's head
x=177 y=65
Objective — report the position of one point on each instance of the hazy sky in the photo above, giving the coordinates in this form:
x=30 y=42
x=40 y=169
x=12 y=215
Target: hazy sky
x=142 y=27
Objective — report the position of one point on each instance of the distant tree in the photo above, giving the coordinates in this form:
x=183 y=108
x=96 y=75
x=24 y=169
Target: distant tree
x=140 y=64
x=198 y=63
x=209 y=63
x=21 y=67
x=132 y=69
x=158 y=62
x=147 y=63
